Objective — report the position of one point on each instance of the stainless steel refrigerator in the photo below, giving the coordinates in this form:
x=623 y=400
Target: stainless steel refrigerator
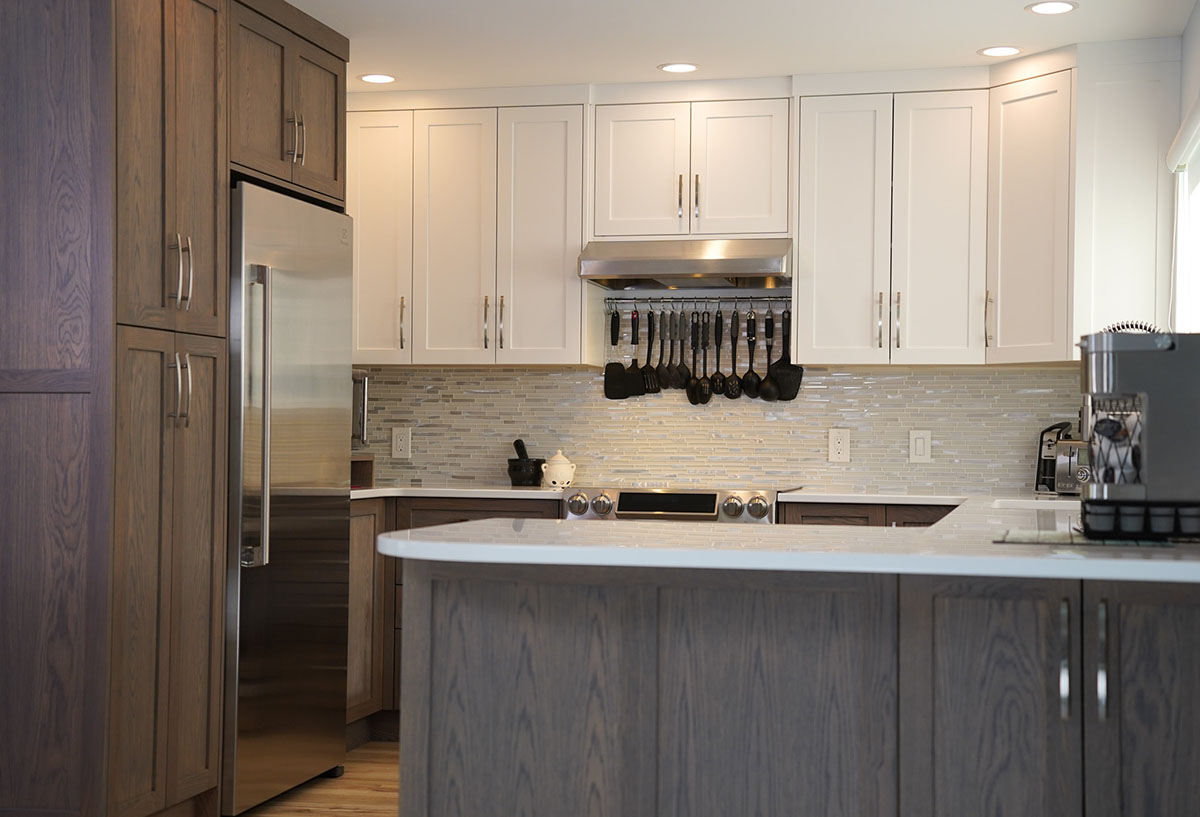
x=289 y=513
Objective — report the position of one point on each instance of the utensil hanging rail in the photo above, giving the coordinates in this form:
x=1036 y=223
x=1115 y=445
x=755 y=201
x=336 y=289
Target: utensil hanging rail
x=683 y=302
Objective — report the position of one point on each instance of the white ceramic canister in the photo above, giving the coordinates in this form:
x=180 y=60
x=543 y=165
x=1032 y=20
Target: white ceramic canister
x=558 y=471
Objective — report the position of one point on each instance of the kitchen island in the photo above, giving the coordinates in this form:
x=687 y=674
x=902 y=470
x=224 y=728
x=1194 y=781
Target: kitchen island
x=656 y=668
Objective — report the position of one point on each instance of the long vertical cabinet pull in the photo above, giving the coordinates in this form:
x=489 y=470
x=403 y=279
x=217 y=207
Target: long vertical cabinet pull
x=485 y=325
x=178 y=388
x=1064 y=664
x=897 y=320
x=680 y=197
x=186 y=415
x=303 y=140
x=178 y=247
x=500 y=322
x=987 y=308
x=294 y=151
x=697 y=209
x=191 y=275
x=400 y=321
x=879 y=320
x=261 y=276
x=1102 y=660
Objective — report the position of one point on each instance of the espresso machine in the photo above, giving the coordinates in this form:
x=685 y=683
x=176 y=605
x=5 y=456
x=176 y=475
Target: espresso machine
x=1142 y=422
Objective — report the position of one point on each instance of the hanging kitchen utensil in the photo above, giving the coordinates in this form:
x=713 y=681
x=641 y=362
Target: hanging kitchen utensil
x=787 y=374
x=718 y=379
x=684 y=374
x=750 y=379
x=693 y=382
x=769 y=388
x=615 y=387
x=634 y=383
x=733 y=383
x=673 y=320
x=663 y=328
x=649 y=376
x=704 y=387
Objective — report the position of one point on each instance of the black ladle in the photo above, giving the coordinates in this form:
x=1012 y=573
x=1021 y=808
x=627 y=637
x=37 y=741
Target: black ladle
x=718 y=379
x=704 y=387
x=751 y=380
x=682 y=374
x=693 y=382
x=733 y=383
x=769 y=388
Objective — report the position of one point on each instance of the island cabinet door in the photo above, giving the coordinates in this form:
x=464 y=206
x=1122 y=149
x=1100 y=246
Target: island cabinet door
x=990 y=703
x=1142 y=698
x=777 y=695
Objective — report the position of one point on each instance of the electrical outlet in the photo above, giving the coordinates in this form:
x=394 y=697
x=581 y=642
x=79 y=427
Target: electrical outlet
x=401 y=442
x=919 y=446
x=839 y=445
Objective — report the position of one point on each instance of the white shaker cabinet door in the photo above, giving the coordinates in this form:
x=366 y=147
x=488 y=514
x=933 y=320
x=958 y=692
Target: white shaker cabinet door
x=841 y=283
x=379 y=179
x=539 y=235
x=1028 y=211
x=642 y=168
x=939 y=227
x=740 y=166
x=454 y=236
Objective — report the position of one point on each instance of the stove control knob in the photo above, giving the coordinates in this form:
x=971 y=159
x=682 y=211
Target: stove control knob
x=733 y=507
x=602 y=505
x=758 y=507
x=577 y=503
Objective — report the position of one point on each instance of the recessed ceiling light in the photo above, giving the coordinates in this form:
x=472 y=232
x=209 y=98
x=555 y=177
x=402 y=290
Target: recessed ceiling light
x=378 y=79
x=1052 y=7
x=999 y=51
x=677 y=67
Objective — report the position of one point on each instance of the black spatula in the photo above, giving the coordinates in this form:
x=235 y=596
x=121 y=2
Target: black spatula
x=787 y=374
x=614 y=372
x=635 y=385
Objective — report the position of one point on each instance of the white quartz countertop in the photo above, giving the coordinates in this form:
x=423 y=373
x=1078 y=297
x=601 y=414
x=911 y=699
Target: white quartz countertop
x=961 y=544
x=453 y=492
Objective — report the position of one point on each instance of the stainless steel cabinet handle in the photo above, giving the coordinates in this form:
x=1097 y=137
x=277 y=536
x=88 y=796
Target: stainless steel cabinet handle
x=261 y=275
x=178 y=388
x=696 y=211
x=1102 y=661
x=178 y=247
x=186 y=416
x=500 y=328
x=400 y=321
x=485 y=326
x=303 y=140
x=680 y=195
x=294 y=121
x=897 y=320
x=879 y=320
x=987 y=304
x=191 y=274
x=1064 y=664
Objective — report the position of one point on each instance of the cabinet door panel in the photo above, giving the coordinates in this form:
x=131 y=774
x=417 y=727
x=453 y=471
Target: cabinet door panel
x=642 y=169
x=1143 y=748
x=320 y=100
x=539 y=235
x=740 y=166
x=1029 y=171
x=145 y=267
x=198 y=569
x=370 y=618
x=984 y=664
x=259 y=134
x=819 y=513
x=199 y=153
x=915 y=516
x=844 y=241
x=454 y=236
x=148 y=397
x=939 y=227
x=379 y=185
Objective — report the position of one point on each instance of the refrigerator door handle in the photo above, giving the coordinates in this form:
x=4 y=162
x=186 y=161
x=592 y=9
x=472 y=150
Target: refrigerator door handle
x=261 y=274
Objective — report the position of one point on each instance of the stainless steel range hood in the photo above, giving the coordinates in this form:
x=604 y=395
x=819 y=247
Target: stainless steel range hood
x=739 y=262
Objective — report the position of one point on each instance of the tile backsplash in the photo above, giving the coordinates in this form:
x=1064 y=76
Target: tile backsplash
x=984 y=422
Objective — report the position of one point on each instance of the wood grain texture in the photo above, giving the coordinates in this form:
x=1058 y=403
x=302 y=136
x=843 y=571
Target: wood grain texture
x=260 y=97
x=914 y=516
x=197 y=578
x=421 y=512
x=143 y=536
x=1141 y=758
x=368 y=789
x=320 y=98
x=817 y=513
x=370 y=613
x=306 y=26
x=979 y=711
x=778 y=701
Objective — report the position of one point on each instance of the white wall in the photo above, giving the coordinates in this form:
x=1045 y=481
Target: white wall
x=1190 y=87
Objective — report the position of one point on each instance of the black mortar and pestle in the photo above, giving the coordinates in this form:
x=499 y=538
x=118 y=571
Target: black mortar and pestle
x=524 y=472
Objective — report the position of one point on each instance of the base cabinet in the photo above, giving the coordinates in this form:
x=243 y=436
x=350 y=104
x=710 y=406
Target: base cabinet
x=369 y=617
x=892 y=516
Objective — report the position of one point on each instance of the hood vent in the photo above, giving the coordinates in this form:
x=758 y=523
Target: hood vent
x=709 y=263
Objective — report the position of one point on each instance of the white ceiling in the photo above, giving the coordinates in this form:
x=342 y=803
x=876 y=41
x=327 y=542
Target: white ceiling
x=430 y=44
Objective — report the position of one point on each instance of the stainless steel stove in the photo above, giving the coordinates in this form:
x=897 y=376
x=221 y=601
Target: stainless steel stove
x=704 y=505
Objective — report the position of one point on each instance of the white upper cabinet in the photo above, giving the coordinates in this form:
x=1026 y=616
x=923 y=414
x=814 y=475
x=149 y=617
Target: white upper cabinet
x=454 y=236
x=379 y=184
x=703 y=168
x=939 y=227
x=540 y=225
x=739 y=167
x=642 y=169
x=1028 y=220
x=841 y=284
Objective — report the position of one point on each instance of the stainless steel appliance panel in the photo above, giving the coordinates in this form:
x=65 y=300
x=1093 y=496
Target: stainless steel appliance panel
x=288 y=581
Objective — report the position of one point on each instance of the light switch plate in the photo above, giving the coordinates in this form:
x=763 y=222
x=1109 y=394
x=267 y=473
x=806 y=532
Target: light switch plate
x=919 y=445
x=401 y=442
x=839 y=445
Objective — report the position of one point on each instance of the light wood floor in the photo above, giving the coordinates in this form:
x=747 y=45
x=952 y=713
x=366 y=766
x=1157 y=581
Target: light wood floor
x=369 y=788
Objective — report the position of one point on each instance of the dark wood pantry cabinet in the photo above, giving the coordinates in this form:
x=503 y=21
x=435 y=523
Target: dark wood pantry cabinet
x=288 y=99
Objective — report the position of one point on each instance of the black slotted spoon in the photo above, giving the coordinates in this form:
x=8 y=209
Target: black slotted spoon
x=733 y=383
x=750 y=379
